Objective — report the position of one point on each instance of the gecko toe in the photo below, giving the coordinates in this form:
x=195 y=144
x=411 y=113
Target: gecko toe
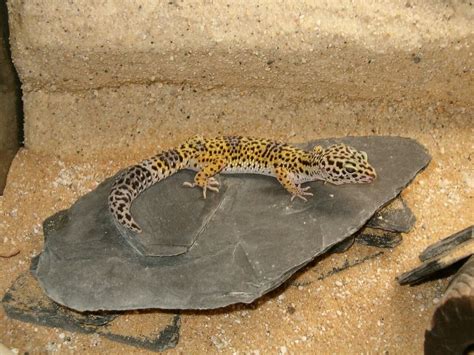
x=301 y=193
x=213 y=188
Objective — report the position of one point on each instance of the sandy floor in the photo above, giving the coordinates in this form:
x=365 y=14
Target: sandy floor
x=358 y=310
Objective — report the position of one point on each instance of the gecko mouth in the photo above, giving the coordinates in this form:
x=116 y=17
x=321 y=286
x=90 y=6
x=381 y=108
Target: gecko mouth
x=368 y=178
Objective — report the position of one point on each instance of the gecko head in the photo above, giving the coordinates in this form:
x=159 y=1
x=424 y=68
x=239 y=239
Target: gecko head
x=342 y=164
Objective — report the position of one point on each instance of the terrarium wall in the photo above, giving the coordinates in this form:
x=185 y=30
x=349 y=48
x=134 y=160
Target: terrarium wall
x=10 y=98
x=114 y=77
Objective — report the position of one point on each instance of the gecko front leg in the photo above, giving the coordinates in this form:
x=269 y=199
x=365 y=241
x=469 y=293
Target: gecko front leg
x=205 y=179
x=287 y=180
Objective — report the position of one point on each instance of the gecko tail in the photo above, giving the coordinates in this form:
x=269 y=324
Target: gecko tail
x=137 y=178
x=125 y=190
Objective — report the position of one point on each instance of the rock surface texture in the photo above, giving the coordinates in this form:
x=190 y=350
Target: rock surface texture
x=251 y=241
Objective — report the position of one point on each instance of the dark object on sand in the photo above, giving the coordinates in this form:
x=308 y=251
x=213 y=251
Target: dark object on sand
x=11 y=116
x=440 y=256
x=452 y=326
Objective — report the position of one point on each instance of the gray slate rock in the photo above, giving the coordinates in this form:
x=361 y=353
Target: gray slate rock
x=383 y=229
x=378 y=238
x=25 y=301
x=396 y=217
x=251 y=241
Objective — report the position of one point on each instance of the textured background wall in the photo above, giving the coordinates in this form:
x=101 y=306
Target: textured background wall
x=114 y=75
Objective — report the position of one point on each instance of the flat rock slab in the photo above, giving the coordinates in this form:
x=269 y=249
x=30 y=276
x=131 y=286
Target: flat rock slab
x=247 y=241
x=158 y=331
x=384 y=228
x=396 y=217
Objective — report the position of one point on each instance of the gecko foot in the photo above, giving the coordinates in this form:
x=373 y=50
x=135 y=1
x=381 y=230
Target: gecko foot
x=301 y=193
x=211 y=184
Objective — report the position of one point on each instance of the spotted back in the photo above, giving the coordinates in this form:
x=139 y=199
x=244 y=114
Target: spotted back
x=342 y=164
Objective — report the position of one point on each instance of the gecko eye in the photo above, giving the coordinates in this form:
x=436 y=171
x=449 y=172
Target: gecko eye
x=350 y=168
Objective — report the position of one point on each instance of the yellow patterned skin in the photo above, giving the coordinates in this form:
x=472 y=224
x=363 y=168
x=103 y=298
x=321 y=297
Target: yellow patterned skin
x=337 y=164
